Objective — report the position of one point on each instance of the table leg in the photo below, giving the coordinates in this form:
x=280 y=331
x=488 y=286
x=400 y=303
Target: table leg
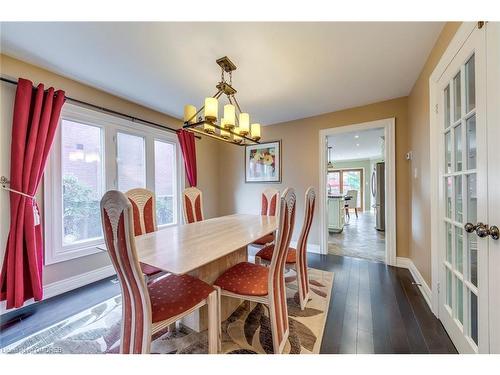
x=198 y=320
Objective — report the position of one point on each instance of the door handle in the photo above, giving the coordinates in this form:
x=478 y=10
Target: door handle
x=482 y=230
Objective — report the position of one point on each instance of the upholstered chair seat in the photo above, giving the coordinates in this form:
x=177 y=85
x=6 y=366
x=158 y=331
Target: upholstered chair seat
x=174 y=295
x=245 y=278
x=267 y=239
x=266 y=253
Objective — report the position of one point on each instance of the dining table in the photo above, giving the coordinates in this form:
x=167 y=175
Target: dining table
x=204 y=249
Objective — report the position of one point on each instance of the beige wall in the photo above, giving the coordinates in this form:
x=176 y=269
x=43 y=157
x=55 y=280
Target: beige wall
x=301 y=163
x=418 y=118
x=207 y=151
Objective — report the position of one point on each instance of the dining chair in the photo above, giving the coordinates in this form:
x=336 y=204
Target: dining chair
x=266 y=285
x=297 y=258
x=351 y=203
x=192 y=202
x=144 y=211
x=149 y=308
x=269 y=205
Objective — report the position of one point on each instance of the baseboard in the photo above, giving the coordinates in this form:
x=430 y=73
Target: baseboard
x=424 y=288
x=311 y=247
x=74 y=282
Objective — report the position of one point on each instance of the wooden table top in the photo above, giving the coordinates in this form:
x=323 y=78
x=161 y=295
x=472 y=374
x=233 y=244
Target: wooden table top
x=181 y=249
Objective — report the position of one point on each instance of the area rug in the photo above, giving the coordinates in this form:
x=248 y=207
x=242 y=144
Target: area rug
x=246 y=331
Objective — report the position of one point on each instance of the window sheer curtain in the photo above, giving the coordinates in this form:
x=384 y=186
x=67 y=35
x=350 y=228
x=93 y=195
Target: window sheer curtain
x=35 y=120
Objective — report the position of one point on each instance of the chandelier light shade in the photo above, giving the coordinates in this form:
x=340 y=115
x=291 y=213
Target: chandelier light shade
x=256 y=131
x=211 y=109
x=189 y=113
x=234 y=123
x=244 y=123
x=229 y=112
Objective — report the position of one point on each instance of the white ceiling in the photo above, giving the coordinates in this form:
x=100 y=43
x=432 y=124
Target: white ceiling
x=285 y=71
x=361 y=145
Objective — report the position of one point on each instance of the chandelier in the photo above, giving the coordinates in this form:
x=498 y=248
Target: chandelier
x=234 y=127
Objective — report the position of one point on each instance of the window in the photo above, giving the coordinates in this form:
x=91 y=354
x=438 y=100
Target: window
x=340 y=181
x=82 y=181
x=131 y=161
x=164 y=182
x=93 y=153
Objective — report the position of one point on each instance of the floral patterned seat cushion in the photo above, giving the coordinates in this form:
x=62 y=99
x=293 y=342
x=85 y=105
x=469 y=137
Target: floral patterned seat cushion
x=246 y=279
x=149 y=270
x=268 y=238
x=175 y=294
x=266 y=253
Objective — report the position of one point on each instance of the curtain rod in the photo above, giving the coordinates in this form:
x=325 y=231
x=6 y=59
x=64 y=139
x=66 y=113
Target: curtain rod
x=110 y=111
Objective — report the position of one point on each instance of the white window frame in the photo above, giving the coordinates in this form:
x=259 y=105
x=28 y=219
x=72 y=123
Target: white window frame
x=110 y=125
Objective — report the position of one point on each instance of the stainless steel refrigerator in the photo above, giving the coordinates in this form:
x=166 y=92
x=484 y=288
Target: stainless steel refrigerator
x=378 y=194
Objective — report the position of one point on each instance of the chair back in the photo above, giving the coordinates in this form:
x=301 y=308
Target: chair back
x=192 y=202
x=309 y=203
x=269 y=202
x=353 y=202
x=276 y=282
x=118 y=223
x=144 y=209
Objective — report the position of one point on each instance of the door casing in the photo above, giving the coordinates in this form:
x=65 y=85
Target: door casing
x=389 y=126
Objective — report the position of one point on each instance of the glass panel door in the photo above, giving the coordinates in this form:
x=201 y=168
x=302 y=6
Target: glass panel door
x=459 y=176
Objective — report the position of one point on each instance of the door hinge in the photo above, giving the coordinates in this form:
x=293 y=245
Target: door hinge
x=439 y=288
x=436 y=109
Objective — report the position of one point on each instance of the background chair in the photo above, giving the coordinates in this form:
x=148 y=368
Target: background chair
x=269 y=206
x=297 y=258
x=266 y=285
x=192 y=203
x=147 y=309
x=351 y=203
x=144 y=212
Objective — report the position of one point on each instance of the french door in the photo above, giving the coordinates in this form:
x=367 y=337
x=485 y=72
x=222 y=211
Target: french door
x=466 y=235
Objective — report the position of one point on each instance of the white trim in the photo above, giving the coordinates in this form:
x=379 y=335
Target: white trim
x=311 y=247
x=71 y=283
x=389 y=126
x=417 y=277
x=456 y=43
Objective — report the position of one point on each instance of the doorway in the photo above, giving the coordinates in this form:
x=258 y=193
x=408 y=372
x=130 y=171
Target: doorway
x=355 y=221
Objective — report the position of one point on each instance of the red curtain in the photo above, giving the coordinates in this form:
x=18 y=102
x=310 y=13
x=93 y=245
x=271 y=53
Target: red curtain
x=36 y=116
x=186 y=139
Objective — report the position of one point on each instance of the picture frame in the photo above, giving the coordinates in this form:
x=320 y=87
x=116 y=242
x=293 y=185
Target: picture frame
x=263 y=162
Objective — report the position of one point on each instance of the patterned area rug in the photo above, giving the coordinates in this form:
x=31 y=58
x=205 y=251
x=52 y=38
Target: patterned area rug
x=246 y=331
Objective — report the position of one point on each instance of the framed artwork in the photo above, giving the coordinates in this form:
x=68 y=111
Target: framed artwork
x=263 y=162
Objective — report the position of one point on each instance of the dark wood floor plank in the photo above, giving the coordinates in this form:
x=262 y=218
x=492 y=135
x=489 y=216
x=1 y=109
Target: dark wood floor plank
x=381 y=338
x=350 y=322
x=434 y=334
x=414 y=335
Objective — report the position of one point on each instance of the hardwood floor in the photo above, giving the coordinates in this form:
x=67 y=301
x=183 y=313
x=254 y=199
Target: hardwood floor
x=376 y=309
x=373 y=309
x=359 y=238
